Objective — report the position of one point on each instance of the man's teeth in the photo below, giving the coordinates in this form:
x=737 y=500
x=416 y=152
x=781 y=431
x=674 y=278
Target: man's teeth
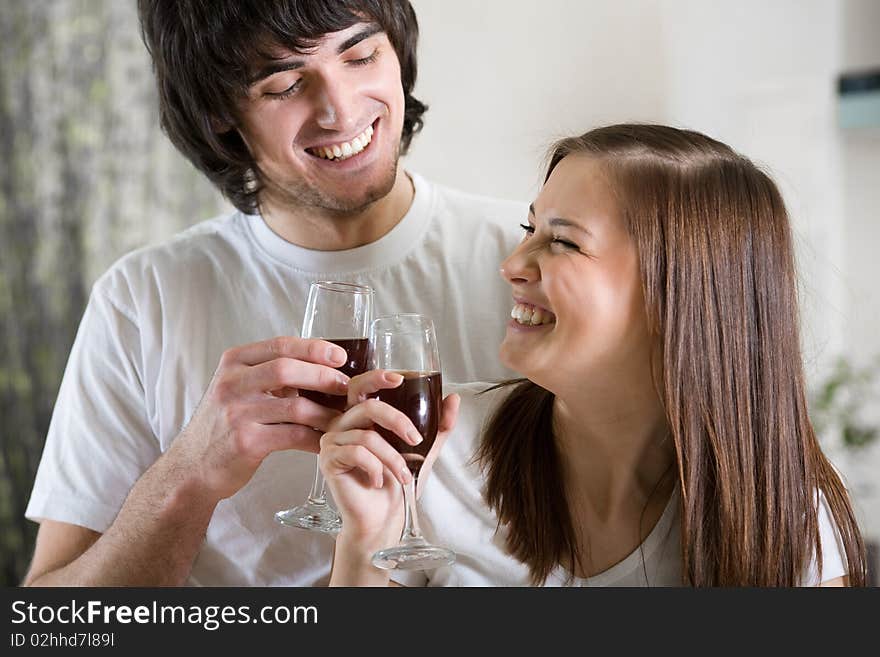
x=531 y=316
x=346 y=149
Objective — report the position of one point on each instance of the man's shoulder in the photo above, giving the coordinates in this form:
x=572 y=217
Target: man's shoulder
x=209 y=243
x=468 y=205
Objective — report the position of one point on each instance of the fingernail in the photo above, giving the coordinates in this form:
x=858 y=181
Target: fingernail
x=405 y=476
x=415 y=437
x=393 y=377
x=343 y=381
x=337 y=355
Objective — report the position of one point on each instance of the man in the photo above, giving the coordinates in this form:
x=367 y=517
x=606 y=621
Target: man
x=168 y=454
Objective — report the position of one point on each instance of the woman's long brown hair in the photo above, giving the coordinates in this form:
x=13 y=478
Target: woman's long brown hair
x=719 y=282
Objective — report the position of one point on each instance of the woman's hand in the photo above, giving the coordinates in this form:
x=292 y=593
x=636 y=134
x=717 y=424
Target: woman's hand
x=364 y=474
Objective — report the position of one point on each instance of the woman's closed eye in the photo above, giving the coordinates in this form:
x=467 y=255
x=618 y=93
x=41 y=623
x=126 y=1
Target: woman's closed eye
x=565 y=244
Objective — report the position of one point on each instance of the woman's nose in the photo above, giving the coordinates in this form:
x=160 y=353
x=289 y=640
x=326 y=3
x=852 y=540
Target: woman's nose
x=519 y=266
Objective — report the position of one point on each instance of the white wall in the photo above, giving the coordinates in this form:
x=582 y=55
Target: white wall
x=860 y=156
x=504 y=79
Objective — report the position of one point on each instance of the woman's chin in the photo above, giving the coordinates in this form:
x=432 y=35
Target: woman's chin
x=514 y=359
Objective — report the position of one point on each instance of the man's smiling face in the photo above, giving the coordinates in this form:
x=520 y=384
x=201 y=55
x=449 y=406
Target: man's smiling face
x=324 y=127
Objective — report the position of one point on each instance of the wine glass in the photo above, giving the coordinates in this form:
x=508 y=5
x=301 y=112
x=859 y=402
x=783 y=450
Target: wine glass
x=407 y=344
x=339 y=313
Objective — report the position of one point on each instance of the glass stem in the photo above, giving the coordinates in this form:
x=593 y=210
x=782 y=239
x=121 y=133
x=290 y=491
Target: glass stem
x=317 y=494
x=411 y=531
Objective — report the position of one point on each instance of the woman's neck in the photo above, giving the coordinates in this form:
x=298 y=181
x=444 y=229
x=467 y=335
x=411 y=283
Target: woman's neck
x=615 y=446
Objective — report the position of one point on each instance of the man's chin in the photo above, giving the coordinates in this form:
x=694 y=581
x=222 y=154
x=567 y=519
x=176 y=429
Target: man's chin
x=353 y=204
x=345 y=202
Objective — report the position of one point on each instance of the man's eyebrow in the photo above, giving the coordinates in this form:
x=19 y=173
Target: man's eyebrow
x=275 y=67
x=368 y=31
x=292 y=64
x=559 y=221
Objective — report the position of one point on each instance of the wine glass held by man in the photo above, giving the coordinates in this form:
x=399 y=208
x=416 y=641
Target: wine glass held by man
x=340 y=313
x=660 y=434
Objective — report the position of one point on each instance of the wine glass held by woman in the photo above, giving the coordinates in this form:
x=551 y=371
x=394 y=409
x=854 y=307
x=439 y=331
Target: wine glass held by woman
x=365 y=474
x=660 y=434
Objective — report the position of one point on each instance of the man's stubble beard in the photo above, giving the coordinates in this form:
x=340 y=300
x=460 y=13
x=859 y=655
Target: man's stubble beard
x=304 y=196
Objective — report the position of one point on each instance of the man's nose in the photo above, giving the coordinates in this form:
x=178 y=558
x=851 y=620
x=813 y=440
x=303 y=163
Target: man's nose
x=335 y=107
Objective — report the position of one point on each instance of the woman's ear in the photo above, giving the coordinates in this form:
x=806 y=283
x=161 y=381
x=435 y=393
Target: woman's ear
x=219 y=126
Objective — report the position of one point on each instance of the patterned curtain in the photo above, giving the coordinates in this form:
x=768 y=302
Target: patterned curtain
x=85 y=176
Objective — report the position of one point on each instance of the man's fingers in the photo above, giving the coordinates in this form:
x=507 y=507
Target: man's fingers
x=362 y=386
x=294 y=409
x=312 y=350
x=275 y=437
x=291 y=373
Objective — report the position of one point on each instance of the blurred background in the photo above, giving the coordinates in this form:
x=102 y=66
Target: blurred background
x=86 y=175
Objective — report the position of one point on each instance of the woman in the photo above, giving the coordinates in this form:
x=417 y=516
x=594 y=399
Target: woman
x=661 y=434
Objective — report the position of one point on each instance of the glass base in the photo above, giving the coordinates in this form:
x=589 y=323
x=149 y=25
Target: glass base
x=312 y=516
x=413 y=555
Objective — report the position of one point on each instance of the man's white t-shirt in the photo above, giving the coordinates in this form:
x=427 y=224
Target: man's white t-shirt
x=158 y=321
x=453 y=513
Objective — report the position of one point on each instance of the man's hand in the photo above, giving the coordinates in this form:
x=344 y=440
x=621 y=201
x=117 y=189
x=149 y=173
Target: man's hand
x=252 y=408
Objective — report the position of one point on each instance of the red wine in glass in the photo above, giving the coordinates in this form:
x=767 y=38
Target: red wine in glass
x=419 y=398
x=356 y=348
x=407 y=344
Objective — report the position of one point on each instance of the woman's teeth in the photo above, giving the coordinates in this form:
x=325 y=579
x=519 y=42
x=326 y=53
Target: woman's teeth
x=531 y=315
x=346 y=149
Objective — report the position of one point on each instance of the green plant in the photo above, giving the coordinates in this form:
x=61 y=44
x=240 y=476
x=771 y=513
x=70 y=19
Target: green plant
x=839 y=402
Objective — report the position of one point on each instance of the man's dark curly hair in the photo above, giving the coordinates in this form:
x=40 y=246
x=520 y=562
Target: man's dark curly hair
x=203 y=52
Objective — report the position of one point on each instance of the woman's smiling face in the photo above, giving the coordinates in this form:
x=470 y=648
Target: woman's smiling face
x=579 y=309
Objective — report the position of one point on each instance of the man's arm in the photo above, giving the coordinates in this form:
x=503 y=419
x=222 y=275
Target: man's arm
x=153 y=541
x=160 y=528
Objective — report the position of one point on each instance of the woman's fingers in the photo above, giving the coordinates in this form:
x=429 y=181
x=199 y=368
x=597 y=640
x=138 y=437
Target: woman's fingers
x=342 y=459
x=448 y=417
x=374 y=412
x=356 y=427
x=449 y=413
x=372 y=449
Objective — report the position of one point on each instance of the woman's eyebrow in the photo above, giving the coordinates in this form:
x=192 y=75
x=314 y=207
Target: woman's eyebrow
x=560 y=221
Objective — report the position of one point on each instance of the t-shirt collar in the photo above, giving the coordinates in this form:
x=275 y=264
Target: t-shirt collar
x=389 y=248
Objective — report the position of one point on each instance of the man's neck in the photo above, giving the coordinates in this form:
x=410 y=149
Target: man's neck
x=321 y=230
